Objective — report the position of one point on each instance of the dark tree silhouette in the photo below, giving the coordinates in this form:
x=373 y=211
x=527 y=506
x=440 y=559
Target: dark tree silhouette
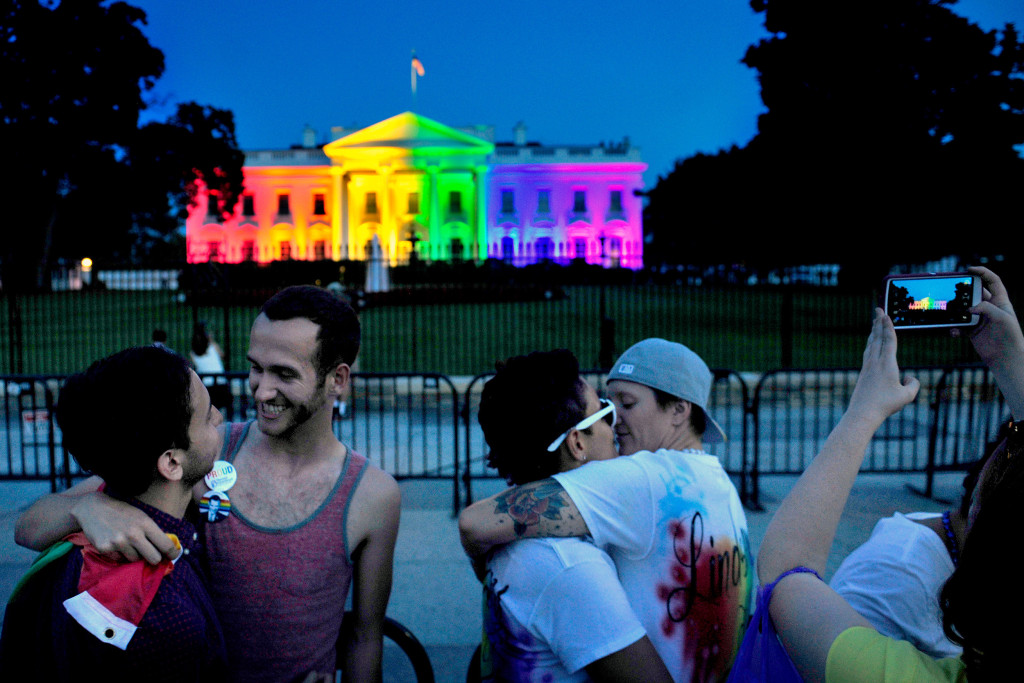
x=888 y=123
x=73 y=76
x=196 y=146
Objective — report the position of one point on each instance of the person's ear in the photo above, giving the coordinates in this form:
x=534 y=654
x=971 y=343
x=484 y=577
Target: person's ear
x=681 y=412
x=170 y=464
x=338 y=379
x=574 y=446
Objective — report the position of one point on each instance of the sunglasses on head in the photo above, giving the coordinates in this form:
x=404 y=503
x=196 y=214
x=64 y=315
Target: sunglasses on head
x=607 y=412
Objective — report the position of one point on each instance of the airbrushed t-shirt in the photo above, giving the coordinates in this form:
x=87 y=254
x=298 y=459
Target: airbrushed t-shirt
x=554 y=606
x=674 y=526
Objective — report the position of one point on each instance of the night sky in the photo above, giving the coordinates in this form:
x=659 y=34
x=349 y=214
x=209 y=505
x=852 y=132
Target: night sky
x=667 y=74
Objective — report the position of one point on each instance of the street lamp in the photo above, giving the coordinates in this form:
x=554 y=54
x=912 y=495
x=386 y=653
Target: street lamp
x=87 y=271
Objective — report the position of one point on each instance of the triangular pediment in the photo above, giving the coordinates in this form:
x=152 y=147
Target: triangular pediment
x=410 y=134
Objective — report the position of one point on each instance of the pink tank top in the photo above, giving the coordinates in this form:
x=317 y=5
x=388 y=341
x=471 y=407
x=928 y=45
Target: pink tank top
x=280 y=593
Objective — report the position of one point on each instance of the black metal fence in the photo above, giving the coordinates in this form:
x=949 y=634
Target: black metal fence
x=424 y=425
x=457 y=319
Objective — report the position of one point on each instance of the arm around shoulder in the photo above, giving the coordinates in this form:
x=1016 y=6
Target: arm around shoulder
x=113 y=527
x=540 y=508
x=49 y=518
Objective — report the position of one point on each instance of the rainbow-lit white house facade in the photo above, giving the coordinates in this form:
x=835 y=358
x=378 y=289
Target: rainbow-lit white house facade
x=409 y=183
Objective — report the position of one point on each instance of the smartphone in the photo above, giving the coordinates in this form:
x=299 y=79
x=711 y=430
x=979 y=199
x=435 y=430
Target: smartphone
x=925 y=300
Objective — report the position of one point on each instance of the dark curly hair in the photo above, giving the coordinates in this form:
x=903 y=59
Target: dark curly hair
x=117 y=417
x=525 y=406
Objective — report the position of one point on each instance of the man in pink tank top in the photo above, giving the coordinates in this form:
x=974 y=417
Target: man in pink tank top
x=308 y=516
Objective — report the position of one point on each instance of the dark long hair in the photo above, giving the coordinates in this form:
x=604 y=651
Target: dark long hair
x=200 y=338
x=983 y=600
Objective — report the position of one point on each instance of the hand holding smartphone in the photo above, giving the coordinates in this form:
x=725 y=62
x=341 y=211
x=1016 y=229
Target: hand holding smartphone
x=930 y=300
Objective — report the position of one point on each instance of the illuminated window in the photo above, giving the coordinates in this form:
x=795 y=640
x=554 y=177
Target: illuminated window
x=319 y=204
x=414 y=202
x=284 y=204
x=286 y=250
x=454 y=202
x=320 y=250
x=508 y=201
x=581 y=248
x=579 y=201
x=545 y=248
x=615 y=252
x=508 y=249
x=371 y=202
x=248 y=207
x=544 y=201
x=616 y=202
x=457 y=249
x=248 y=250
x=213 y=251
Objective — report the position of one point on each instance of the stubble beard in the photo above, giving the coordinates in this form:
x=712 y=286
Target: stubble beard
x=304 y=412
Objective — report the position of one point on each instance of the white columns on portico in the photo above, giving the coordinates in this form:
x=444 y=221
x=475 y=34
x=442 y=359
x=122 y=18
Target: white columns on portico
x=435 y=206
x=480 y=235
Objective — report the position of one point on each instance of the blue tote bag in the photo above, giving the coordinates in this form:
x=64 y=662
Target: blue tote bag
x=762 y=658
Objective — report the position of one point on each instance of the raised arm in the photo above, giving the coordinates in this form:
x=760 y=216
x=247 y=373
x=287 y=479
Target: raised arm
x=807 y=613
x=114 y=527
x=376 y=507
x=999 y=341
x=540 y=508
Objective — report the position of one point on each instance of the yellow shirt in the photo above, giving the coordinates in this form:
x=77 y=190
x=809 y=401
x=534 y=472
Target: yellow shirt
x=863 y=655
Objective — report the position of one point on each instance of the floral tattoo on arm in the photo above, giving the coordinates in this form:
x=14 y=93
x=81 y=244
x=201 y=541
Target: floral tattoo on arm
x=526 y=505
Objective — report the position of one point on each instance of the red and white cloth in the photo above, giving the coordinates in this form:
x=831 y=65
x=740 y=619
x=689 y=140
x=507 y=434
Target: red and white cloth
x=114 y=595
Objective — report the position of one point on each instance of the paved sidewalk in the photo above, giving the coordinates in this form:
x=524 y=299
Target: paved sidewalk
x=435 y=593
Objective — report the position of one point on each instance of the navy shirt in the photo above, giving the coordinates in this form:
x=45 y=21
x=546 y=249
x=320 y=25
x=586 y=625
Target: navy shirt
x=178 y=639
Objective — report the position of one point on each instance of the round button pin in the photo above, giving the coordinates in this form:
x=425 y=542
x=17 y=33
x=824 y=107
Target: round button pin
x=215 y=506
x=222 y=477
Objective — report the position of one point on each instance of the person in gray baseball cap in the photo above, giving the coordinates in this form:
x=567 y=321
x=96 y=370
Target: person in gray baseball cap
x=661 y=390
x=668 y=514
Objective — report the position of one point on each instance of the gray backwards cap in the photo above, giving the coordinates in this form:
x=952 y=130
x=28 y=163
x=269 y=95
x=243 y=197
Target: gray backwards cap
x=672 y=368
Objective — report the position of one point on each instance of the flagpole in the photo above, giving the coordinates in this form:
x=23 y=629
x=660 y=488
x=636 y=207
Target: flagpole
x=416 y=68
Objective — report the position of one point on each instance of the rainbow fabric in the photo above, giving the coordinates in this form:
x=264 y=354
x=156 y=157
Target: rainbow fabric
x=114 y=595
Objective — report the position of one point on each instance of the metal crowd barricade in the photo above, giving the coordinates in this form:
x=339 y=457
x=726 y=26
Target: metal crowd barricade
x=408 y=424
x=29 y=448
x=968 y=412
x=404 y=423
x=955 y=413
x=728 y=405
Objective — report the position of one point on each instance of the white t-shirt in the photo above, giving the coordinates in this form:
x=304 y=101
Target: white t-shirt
x=553 y=607
x=674 y=526
x=894 y=580
x=208 y=362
